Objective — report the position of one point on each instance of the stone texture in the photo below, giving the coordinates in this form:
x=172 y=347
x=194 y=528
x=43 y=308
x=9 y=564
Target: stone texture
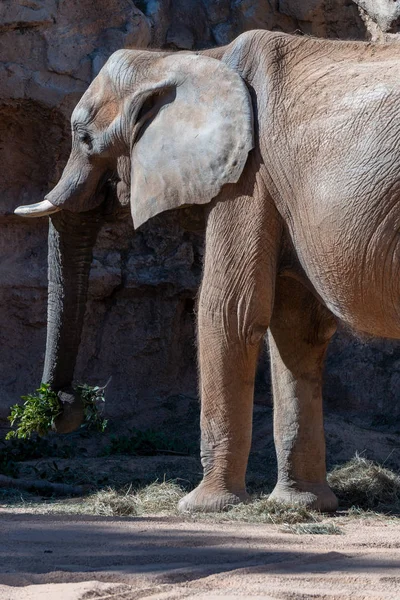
x=140 y=318
x=385 y=13
x=303 y=11
x=381 y=18
x=216 y=22
x=363 y=375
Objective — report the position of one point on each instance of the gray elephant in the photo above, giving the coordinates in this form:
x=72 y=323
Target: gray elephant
x=294 y=145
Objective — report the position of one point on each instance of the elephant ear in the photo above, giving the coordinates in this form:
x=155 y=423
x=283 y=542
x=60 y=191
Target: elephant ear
x=195 y=139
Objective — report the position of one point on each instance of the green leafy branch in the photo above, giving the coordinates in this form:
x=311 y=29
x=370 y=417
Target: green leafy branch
x=39 y=411
x=92 y=398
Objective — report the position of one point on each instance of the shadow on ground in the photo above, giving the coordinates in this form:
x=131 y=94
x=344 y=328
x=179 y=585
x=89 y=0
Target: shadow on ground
x=51 y=549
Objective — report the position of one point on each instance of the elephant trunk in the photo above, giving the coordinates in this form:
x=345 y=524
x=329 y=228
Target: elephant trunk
x=71 y=240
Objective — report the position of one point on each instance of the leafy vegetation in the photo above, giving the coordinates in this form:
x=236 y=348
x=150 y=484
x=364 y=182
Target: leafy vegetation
x=93 y=398
x=17 y=450
x=146 y=443
x=39 y=411
x=7 y=464
x=59 y=474
x=36 y=415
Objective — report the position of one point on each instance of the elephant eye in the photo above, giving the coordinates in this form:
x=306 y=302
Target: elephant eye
x=85 y=138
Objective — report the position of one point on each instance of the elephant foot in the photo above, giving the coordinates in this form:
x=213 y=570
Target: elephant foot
x=72 y=414
x=315 y=496
x=206 y=499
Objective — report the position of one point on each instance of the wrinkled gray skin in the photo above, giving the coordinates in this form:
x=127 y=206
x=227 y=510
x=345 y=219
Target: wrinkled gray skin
x=294 y=144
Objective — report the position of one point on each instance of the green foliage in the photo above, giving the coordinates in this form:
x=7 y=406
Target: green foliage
x=146 y=443
x=53 y=473
x=17 y=450
x=7 y=465
x=66 y=474
x=36 y=415
x=31 y=449
x=39 y=411
x=91 y=398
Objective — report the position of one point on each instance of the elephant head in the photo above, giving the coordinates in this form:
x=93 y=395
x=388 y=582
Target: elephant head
x=175 y=129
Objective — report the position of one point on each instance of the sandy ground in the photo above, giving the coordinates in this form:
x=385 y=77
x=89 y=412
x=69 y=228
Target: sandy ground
x=50 y=557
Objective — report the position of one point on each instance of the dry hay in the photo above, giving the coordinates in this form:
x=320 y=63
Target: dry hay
x=368 y=485
x=162 y=498
x=262 y=510
x=359 y=483
x=155 y=498
x=313 y=529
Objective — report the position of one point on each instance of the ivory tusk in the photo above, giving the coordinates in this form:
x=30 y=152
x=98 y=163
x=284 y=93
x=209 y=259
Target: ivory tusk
x=40 y=209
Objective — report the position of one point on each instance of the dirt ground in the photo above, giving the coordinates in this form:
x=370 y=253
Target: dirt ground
x=45 y=555
x=79 y=557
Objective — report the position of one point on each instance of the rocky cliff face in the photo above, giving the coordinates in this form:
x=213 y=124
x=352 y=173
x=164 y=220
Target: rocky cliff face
x=139 y=322
x=188 y=24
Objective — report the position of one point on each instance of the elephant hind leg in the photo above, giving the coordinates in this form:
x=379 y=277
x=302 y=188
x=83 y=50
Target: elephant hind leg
x=299 y=334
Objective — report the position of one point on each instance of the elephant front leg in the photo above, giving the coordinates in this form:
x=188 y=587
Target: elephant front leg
x=227 y=379
x=299 y=334
x=234 y=310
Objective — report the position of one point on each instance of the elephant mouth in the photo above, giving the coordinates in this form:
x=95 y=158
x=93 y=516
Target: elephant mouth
x=115 y=203
x=86 y=202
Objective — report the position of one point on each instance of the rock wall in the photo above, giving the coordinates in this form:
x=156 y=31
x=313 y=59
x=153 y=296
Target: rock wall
x=139 y=323
x=187 y=24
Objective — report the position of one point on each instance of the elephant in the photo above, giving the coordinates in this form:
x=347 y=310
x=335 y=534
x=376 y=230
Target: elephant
x=292 y=144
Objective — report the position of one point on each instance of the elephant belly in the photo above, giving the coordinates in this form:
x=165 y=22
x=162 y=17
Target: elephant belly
x=343 y=198
x=350 y=251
